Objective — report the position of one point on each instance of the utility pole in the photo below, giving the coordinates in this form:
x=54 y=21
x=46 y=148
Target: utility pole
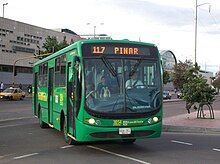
x=196 y=32
x=196 y=25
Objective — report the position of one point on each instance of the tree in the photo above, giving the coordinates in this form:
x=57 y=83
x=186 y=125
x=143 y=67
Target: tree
x=52 y=45
x=63 y=44
x=193 y=86
x=196 y=90
x=180 y=73
x=166 y=77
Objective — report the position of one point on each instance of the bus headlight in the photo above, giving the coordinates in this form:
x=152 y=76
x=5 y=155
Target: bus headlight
x=91 y=121
x=155 y=119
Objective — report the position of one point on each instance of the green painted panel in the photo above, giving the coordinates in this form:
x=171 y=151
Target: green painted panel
x=56 y=120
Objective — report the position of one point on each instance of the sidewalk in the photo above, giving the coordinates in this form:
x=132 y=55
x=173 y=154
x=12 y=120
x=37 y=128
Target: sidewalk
x=188 y=123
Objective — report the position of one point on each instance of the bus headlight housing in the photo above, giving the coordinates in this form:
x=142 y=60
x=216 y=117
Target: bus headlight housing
x=91 y=121
x=153 y=120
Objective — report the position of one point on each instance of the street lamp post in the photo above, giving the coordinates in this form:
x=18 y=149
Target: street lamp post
x=94 y=29
x=196 y=24
x=3 y=13
x=24 y=58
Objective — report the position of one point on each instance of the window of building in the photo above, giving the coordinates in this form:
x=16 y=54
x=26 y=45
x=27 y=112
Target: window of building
x=5 y=30
x=23 y=49
x=32 y=36
x=8 y=51
x=5 y=68
x=19 y=69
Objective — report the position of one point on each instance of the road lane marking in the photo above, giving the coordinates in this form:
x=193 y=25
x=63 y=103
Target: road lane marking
x=13 y=119
x=180 y=142
x=119 y=155
x=68 y=146
x=6 y=126
x=216 y=149
x=24 y=156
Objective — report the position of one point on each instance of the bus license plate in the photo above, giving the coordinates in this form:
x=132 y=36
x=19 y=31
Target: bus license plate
x=124 y=130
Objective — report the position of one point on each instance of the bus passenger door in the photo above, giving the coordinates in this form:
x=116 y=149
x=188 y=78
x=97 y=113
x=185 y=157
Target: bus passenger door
x=70 y=97
x=50 y=95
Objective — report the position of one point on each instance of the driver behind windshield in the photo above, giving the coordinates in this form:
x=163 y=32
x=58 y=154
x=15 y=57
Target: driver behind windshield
x=133 y=82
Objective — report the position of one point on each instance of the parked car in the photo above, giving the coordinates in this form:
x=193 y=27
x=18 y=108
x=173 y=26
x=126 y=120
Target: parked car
x=12 y=94
x=166 y=95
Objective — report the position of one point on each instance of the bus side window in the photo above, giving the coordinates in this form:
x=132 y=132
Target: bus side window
x=78 y=84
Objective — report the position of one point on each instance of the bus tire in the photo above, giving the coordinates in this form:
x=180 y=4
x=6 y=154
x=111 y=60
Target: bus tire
x=42 y=123
x=67 y=139
x=128 y=141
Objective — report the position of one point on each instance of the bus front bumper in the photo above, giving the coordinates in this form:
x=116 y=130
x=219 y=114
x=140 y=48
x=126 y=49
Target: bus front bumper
x=87 y=132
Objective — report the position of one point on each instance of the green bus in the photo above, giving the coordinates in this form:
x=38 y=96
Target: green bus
x=96 y=90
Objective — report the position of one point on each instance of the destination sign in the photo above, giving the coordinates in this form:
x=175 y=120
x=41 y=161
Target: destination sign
x=118 y=49
x=115 y=50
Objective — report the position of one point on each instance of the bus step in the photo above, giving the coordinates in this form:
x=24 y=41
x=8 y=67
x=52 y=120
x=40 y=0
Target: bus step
x=71 y=136
x=50 y=125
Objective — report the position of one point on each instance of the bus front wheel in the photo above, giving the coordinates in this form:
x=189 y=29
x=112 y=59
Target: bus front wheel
x=67 y=138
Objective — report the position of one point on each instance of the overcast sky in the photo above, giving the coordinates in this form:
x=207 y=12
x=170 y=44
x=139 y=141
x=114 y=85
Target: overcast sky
x=167 y=23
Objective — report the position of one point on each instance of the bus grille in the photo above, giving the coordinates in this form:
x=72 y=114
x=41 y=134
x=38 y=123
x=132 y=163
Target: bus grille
x=117 y=135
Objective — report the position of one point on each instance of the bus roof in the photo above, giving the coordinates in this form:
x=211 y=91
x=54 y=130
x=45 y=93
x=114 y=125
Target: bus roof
x=81 y=42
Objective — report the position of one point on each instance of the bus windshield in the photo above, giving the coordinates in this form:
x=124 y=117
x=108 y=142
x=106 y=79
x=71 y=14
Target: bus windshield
x=122 y=85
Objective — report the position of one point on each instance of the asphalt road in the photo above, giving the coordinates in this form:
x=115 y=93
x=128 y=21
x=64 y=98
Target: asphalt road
x=23 y=141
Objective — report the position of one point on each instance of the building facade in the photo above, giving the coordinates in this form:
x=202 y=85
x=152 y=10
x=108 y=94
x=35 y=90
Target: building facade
x=19 y=40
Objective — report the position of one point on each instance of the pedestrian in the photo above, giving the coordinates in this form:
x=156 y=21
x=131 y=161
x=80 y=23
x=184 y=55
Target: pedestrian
x=1 y=86
x=20 y=86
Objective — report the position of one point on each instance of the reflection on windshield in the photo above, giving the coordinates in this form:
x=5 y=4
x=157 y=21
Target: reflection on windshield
x=123 y=91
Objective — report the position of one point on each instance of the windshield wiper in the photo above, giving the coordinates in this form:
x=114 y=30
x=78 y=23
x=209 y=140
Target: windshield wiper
x=134 y=69
x=109 y=66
